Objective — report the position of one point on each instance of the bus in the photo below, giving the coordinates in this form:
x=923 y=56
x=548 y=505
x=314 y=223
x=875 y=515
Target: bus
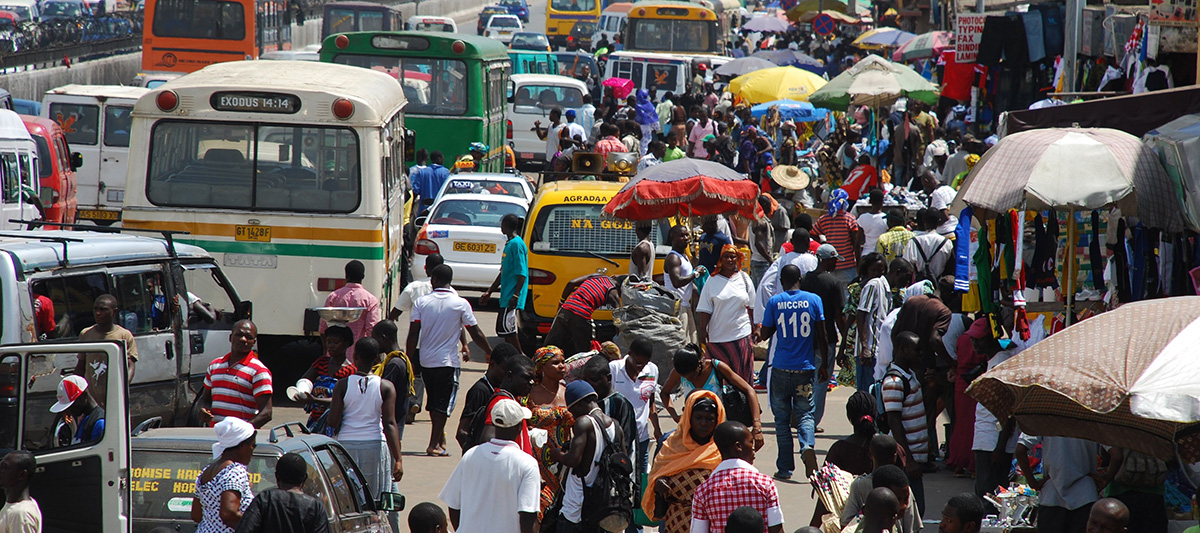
x=677 y=28
x=284 y=171
x=342 y=17
x=455 y=85
x=187 y=35
x=561 y=16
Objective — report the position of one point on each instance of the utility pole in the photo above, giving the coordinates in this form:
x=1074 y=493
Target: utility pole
x=1071 y=44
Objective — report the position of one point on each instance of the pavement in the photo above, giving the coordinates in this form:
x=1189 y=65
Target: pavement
x=424 y=476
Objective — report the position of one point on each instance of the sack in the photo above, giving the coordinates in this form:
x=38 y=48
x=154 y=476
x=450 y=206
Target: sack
x=1141 y=470
x=881 y=420
x=737 y=406
x=664 y=332
x=608 y=503
x=650 y=295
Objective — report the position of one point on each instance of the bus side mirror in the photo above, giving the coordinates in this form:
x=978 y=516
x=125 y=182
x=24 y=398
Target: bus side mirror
x=76 y=160
x=244 y=310
x=410 y=145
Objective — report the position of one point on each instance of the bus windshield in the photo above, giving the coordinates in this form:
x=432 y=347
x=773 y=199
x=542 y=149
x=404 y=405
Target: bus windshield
x=253 y=166
x=432 y=86
x=341 y=20
x=668 y=35
x=570 y=228
x=200 y=19
x=573 y=5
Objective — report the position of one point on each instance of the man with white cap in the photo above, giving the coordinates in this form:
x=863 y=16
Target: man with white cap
x=75 y=400
x=496 y=487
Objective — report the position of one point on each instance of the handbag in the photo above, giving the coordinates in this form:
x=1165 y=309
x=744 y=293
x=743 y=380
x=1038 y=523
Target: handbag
x=737 y=406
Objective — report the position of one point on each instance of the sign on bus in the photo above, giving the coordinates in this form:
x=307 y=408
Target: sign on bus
x=253 y=102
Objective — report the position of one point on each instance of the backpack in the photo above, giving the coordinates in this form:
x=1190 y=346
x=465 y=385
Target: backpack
x=926 y=270
x=881 y=420
x=478 y=422
x=608 y=503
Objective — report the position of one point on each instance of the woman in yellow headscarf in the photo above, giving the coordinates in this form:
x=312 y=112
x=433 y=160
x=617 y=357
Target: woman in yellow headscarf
x=683 y=462
x=548 y=403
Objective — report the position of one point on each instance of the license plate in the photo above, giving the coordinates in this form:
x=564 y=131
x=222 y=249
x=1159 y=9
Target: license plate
x=98 y=214
x=526 y=155
x=476 y=247
x=252 y=233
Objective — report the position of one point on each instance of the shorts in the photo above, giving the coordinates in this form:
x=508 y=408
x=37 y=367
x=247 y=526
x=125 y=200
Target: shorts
x=506 y=322
x=441 y=388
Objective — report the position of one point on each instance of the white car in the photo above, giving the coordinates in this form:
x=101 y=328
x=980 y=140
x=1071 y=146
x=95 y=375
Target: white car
x=513 y=185
x=465 y=230
x=532 y=98
x=502 y=27
x=430 y=23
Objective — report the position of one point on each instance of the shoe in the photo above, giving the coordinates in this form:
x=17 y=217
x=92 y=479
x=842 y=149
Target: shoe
x=782 y=475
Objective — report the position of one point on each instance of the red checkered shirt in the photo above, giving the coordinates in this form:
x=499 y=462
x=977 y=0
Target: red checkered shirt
x=734 y=483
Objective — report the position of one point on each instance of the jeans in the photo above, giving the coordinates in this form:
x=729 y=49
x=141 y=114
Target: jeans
x=787 y=398
x=757 y=269
x=864 y=376
x=643 y=457
x=916 y=487
x=846 y=275
x=566 y=526
x=821 y=387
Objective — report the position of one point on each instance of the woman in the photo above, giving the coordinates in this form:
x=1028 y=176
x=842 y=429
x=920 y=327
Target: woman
x=709 y=375
x=363 y=413
x=724 y=317
x=679 y=124
x=326 y=371
x=961 y=454
x=223 y=488
x=683 y=462
x=853 y=453
x=646 y=118
x=870 y=267
x=548 y=403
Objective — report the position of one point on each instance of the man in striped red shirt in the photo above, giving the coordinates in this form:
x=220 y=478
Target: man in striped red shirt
x=238 y=384
x=572 y=329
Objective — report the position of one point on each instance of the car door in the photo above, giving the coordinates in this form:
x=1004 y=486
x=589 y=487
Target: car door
x=208 y=310
x=348 y=491
x=79 y=487
x=145 y=310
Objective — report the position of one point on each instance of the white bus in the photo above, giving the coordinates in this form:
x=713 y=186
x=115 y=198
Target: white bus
x=18 y=172
x=284 y=171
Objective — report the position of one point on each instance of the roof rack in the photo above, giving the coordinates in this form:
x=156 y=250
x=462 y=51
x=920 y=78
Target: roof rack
x=168 y=235
x=60 y=240
x=273 y=438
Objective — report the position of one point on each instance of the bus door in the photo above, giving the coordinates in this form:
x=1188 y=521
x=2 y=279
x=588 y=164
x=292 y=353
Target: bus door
x=114 y=153
x=81 y=479
x=17 y=168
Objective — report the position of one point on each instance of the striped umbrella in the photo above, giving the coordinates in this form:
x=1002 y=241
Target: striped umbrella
x=688 y=187
x=923 y=46
x=1123 y=378
x=883 y=38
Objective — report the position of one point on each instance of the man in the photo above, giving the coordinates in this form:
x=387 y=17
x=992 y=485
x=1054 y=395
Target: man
x=75 y=400
x=904 y=406
x=826 y=285
x=428 y=181
x=678 y=276
x=422 y=157
x=885 y=475
x=395 y=367
x=552 y=133
x=874 y=305
x=841 y=229
x=413 y=291
x=597 y=373
x=993 y=443
x=20 y=513
x=746 y=519
x=94 y=366
x=794 y=320
x=703 y=127
x=427 y=517
x=1068 y=485
x=794 y=252
x=43 y=312
x=635 y=377
x=762 y=239
x=892 y=242
x=862 y=178
x=874 y=221
x=512 y=280
x=940 y=198
x=482 y=392
x=286 y=508
x=1108 y=516
x=880 y=512
x=654 y=156
x=926 y=316
x=734 y=483
x=673 y=151
x=518 y=380
x=572 y=327
x=353 y=294
x=238 y=384
x=362 y=410
x=478 y=152
x=437 y=319
x=641 y=259
x=572 y=129
x=1138 y=481
x=584 y=451
x=928 y=251
x=496 y=487
x=711 y=243
x=962 y=514
x=608 y=143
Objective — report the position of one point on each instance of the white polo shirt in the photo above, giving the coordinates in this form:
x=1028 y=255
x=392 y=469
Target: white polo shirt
x=492 y=484
x=442 y=314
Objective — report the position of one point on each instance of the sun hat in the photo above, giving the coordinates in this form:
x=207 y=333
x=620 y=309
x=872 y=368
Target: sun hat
x=69 y=390
x=508 y=413
x=790 y=177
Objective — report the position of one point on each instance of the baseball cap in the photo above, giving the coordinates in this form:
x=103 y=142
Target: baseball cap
x=827 y=251
x=980 y=329
x=508 y=413
x=570 y=113
x=577 y=391
x=69 y=390
x=709 y=137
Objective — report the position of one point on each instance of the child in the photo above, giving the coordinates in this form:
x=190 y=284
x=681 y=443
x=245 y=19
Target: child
x=427 y=517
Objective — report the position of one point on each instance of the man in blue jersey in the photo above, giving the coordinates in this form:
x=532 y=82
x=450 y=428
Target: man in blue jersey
x=796 y=319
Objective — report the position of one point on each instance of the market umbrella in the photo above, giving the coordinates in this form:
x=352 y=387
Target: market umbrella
x=924 y=46
x=837 y=16
x=883 y=38
x=744 y=65
x=621 y=86
x=779 y=83
x=687 y=187
x=876 y=82
x=1123 y=378
x=788 y=58
x=767 y=24
x=791 y=110
x=806 y=6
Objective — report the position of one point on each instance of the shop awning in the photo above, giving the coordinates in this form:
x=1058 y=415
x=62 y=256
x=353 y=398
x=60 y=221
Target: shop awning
x=1133 y=114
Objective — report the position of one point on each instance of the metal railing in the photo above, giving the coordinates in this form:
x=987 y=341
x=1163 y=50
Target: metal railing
x=32 y=45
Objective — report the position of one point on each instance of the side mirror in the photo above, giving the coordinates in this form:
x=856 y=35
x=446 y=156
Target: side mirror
x=76 y=160
x=427 y=201
x=410 y=145
x=244 y=310
x=390 y=502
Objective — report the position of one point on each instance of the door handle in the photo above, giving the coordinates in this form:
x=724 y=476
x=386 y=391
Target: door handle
x=170 y=350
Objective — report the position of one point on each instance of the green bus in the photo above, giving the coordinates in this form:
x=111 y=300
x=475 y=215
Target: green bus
x=455 y=85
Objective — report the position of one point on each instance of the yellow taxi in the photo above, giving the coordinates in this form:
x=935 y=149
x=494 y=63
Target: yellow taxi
x=568 y=238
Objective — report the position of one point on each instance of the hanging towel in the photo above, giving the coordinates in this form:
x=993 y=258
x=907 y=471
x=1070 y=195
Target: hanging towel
x=962 y=251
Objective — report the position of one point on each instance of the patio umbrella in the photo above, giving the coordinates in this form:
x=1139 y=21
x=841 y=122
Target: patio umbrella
x=1123 y=378
x=791 y=110
x=876 y=82
x=687 y=187
x=883 y=38
x=923 y=46
x=621 y=86
x=792 y=58
x=837 y=16
x=768 y=24
x=744 y=65
x=806 y=6
x=779 y=83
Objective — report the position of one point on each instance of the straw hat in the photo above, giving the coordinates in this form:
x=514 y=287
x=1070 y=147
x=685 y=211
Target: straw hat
x=790 y=177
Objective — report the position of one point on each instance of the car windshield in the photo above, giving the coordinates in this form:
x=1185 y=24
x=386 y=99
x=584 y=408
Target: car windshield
x=578 y=229
x=505 y=22
x=478 y=213
x=62 y=9
x=485 y=186
x=513 y=3
x=548 y=96
x=433 y=26
x=528 y=39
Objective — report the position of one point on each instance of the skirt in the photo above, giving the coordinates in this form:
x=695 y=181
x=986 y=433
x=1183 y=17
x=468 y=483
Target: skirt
x=374 y=462
x=738 y=354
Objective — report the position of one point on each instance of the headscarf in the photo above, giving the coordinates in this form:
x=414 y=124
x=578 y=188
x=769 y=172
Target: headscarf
x=774 y=204
x=231 y=431
x=646 y=115
x=730 y=248
x=839 y=201
x=920 y=288
x=610 y=350
x=680 y=452
x=544 y=354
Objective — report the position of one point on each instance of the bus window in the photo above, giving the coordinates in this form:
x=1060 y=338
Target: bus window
x=549 y=96
x=573 y=5
x=12 y=177
x=341 y=20
x=370 y=21
x=117 y=120
x=80 y=122
x=200 y=19
x=432 y=86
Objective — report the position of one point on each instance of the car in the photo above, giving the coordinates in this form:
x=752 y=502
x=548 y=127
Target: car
x=486 y=14
x=534 y=95
x=431 y=23
x=573 y=63
x=465 y=230
x=528 y=40
x=517 y=7
x=166 y=461
x=580 y=37
x=64 y=10
x=502 y=27
x=512 y=185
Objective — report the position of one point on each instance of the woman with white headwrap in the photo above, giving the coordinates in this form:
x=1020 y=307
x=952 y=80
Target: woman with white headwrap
x=223 y=488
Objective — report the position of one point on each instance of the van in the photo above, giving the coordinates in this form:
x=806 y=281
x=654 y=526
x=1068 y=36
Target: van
x=612 y=22
x=56 y=170
x=26 y=10
x=96 y=120
x=530 y=62
x=18 y=171
x=666 y=72
x=431 y=23
x=567 y=239
x=530 y=99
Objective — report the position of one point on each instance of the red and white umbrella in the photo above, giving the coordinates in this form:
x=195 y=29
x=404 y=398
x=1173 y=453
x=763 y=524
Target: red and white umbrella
x=924 y=46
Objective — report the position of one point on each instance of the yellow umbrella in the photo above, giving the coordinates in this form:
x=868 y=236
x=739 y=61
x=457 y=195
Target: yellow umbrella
x=817 y=5
x=780 y=83
x=837 y=16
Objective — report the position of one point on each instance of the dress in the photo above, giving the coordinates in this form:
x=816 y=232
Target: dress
x=678 y=518
x=846 y=375
x=233 y=477
x=557 y=421
x=961 y=441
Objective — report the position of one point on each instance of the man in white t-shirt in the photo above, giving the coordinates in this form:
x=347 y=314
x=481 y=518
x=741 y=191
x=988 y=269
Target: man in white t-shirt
x=636 y=378
x=433 y=333
x=874 y=221
x=496 y=488
x=550 y=133
x=940 y=198
x=20 y=512
x=927 y=251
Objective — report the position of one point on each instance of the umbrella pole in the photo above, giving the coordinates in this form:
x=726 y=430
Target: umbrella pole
x=1070 y=265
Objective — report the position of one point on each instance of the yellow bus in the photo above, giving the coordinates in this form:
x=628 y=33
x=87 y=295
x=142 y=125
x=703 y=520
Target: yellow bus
x=561 y=16
x=679 y=27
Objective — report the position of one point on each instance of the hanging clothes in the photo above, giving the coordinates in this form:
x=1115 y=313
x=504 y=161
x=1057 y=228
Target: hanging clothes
x=1045 y=250
x=962 y=251
x=1121 y=253
x=1094 y=254
x=1138 y=243
x=983 y=264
